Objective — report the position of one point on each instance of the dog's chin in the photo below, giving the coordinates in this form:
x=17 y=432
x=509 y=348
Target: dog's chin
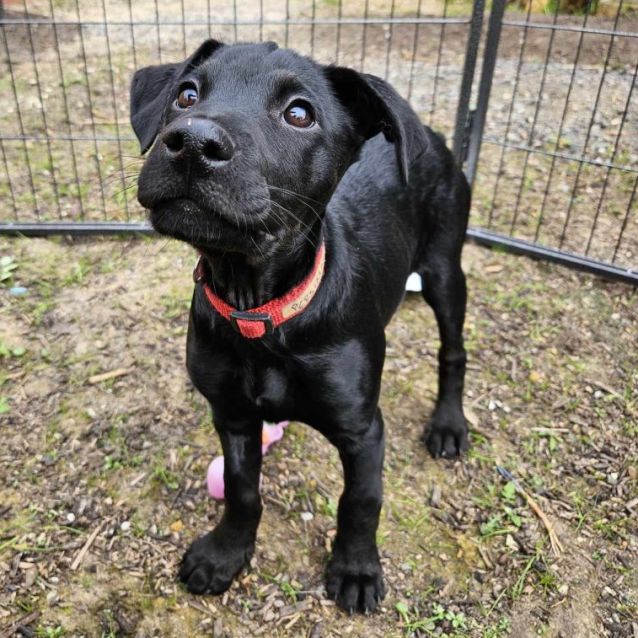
x=206 y=230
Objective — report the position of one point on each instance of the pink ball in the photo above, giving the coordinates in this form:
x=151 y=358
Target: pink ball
x=215 y=478
x=271 y=433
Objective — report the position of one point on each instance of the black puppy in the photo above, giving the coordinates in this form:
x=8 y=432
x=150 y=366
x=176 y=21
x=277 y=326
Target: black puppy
x=311 y=192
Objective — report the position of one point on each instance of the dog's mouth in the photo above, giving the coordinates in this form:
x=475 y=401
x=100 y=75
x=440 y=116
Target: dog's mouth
x=209 y=229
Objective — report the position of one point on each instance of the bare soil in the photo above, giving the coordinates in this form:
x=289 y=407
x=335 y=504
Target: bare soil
x=554 y=91
x=103 y=482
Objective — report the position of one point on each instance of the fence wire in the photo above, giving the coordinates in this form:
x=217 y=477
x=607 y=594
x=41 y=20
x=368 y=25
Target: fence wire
x=67 y=150
x=559 y=155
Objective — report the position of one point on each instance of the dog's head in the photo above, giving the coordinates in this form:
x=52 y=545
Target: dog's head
x=248 y=142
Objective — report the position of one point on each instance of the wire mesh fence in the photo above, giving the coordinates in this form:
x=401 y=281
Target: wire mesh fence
x=558 y=165
x=559 y=153
x=66 y=147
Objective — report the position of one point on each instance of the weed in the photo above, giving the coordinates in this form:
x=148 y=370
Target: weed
x=165 y=477
x=327 y=506
x=412 y=621
x=111 y=464
x=501 y=628
x=7 y=267
x=7 y=351
x=290 y=590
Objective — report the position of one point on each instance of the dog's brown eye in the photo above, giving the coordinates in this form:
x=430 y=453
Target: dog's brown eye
x=299 y=114
x=187 y=97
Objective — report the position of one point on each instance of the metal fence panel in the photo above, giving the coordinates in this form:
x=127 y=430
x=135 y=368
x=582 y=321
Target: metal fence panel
x=558 y=170
x=67 y=151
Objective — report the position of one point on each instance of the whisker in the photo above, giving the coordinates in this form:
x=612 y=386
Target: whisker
x=299 y=195
x=282 y=220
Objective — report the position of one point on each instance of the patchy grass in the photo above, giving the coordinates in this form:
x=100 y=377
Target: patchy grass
x=551 y=395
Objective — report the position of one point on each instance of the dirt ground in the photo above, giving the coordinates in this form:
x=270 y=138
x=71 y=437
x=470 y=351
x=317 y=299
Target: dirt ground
x=103 y=481
x=554 y=91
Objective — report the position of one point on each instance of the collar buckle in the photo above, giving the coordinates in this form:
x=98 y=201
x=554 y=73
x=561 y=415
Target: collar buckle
x=239 y=320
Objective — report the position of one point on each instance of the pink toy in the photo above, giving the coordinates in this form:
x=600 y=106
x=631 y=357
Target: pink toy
x=271 y=433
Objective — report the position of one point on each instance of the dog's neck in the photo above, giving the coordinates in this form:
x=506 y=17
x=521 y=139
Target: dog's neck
x=245 y=282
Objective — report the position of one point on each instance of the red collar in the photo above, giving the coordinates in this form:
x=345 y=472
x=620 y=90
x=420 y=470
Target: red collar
x=257 y=322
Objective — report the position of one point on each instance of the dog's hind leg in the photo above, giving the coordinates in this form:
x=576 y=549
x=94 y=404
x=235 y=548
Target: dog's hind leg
x=445 y=291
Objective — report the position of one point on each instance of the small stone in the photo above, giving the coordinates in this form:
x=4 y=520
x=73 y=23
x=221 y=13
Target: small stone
x=435 y=497
x=511 y=543
x=125 y=526
x=30 y=576
x=177 y=526
x=563 y=589
x=70 y=517
x=632 y=472
x=306 y=517
x=612 y=478
x=535 y=377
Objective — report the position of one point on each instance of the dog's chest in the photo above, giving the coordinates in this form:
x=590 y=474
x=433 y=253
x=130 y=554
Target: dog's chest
x=266 y=387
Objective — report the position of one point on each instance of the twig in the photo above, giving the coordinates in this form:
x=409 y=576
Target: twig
x=555 y=543
x=113 y=374
x=11 y=630
x=542 y=430
x=85 y=548
x=485 y=557
x=137 y=479
x=195 y=605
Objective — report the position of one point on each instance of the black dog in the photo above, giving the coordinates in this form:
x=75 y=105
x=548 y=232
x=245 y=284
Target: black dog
x=311 y=192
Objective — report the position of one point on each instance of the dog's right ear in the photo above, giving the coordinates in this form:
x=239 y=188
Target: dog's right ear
x=151 y=91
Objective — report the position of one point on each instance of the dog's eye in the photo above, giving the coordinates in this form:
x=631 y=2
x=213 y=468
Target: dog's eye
x=187 y=97
x=299 y=114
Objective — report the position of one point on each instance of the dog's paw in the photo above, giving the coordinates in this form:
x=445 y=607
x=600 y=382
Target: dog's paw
x=209 y=568
x=355 y=584
x=447 y=435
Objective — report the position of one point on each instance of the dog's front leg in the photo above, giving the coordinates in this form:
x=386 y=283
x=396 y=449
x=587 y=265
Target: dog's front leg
x=213 y=560
x=354 y=575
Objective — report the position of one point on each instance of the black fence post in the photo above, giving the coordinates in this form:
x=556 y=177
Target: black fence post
x=461 y=125
x=485 y=86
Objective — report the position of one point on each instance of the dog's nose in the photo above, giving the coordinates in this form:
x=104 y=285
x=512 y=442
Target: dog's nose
x=198 y=139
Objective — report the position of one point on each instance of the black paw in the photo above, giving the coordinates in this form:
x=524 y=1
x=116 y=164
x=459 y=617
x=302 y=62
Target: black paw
x=447 y=434
x=208 y=566
x=355 y=584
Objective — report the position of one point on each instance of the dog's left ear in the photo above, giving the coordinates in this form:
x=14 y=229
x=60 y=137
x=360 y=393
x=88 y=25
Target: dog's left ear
x=375 y=107
x=151 y=90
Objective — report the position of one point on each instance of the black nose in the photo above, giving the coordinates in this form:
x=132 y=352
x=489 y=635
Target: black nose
x=198 y=139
